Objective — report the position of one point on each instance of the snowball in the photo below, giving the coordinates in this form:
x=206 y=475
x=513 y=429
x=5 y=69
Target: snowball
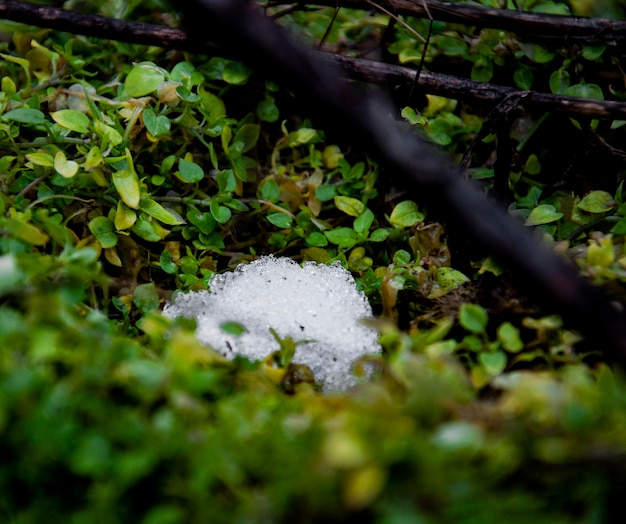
x=315 y=302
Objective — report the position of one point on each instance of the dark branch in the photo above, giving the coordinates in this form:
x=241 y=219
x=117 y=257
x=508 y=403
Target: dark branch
x=538 y=27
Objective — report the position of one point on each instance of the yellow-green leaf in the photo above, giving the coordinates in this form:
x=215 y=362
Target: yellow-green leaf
x=124 y=217
x=72 y=120
x=350 y=206
x=406 y=214
x=127 y=185
x=66 y=168
x=157 y=211
x=25 y=231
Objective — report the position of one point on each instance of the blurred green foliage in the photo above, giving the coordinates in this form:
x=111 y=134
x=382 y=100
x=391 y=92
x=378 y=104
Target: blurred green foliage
x=127 y=172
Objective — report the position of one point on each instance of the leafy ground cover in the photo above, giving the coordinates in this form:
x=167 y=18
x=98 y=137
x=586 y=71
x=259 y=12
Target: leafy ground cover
x=129 y=172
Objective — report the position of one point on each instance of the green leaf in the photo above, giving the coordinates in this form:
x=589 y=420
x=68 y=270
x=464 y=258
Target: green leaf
x=449 y=279
x=236 y=73
x=267 y=110
x=597 y=202
x=190 y=171
x=350 y=206
x=559 y=81
x=302 y=136
x=269 y=189
x=473 y=317
x=127 y=185
x=508 y=335
x=536 y=53
x=363 y=222
x=157 y=211
x=245 y=138
x=166 y=261
x=523 y=77
x=149 y=229
x=325 y=192
x=72 y=120
x=406 y=214
x=620 y=227
x=156 y=125
x=24 y=231
x=543 y=214
x=220 y=213
x=592 y=91
x=226 y=181
x=25 y=115
x=110 y=136
x=281 y=220
x=125 y=217
x=143 y=79
x=317 y=239
x=233 y=328
x=41 y=159
x=66 y=168
x=378 y=235
x=146 y=297
x=494 y=363
x=343 y=237
x=104 y=230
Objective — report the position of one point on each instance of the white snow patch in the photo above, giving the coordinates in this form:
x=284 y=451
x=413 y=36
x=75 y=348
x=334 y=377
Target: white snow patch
x=314 y=302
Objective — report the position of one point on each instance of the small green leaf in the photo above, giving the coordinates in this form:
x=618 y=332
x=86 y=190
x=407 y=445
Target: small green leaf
x=25 y=115
x=536 y=53
x=104 y=230
x=233 y=328
x=494 y=363
x=543 y=214
x=343 y=237
x=190 y=171
x=127 y=185
x=325 y=192
x=280 y=220
x=449 y=279
x=220 y=213
x=71 y=119
x=350 y=206
x=269 y=189
x=66 y=168
x=143 y=79
x=41 y=159
x=317 y=239
x=125 y=217
x=378 y=235
x=559 y=81
x=146 y=297
x=235 y=73
x=110 y=136
x=302 y=136
x=473 y=317
x=363 y=222
x=157 y=211
x=597 y=202
x=156 y=125
x=508 y=335
x=25 y=231
x=267 y=110
x=166 y=261
x=149 y=229
x=406 y=214
x=226 y=181
x=592 y=91
x=245 y=138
